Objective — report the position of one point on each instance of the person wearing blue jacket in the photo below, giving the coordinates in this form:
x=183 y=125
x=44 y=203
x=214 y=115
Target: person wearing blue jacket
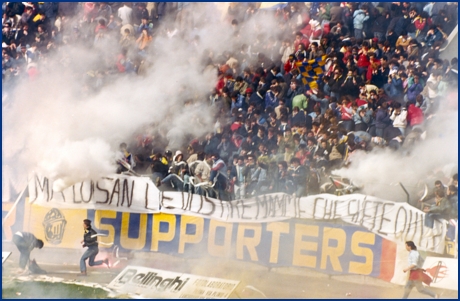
x=382 y=119
x=321 y=99
x=414 y=90
x=298 y=175
x=359 y=17
x=433 y=35
x=394 y=86
x=90 y=241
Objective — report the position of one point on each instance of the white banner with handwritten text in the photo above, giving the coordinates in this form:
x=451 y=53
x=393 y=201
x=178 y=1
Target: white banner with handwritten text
x=395 y=221
x=115 y=192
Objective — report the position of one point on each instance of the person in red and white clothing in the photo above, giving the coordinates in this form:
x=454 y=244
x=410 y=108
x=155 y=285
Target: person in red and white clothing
x=417 y=275
x=347 y=114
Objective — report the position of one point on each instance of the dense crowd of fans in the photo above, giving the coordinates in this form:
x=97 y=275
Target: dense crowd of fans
x=381 y=83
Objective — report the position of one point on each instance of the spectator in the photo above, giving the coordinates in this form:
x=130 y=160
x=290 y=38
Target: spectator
x=403 y=40
x=433 y=35
x=126 y=14
x=452 y=196
x=251 y=175
x=298 y=116
x=7 y=34
x=219 y=175
x=339 y=31
x=441 y=209
x=359 y=17
x=315 y=51
x=144 y=41
x=382 y=119
x=346 y=114
x=381 y=22
x=140 y=13
x=127 y=40
x=298 y=176
x=144 y=25
x=238 y=178
x=127 y=159
x=336 y=13
x=399 y=118
x=104 y=11
x=361 y=119
x=178 y=173
x=158 y=168
x=350 y=85
x=413 y=90
x=202 y=172
x=394 y=87
x=337 y=152
x=280 y=177
x=432 y=85
x=294 y=90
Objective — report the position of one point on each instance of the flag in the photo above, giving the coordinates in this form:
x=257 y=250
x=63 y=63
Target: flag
x=312 y=71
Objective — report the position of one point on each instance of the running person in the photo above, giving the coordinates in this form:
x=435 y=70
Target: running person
x=90 y=241
x=417 y=275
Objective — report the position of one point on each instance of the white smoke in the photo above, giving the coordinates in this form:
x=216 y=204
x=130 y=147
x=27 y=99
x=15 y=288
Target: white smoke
x=435 y=158
x=53 y=128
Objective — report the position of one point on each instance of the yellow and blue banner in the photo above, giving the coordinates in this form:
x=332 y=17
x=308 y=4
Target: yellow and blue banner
x=312 y=71
x=329 y=247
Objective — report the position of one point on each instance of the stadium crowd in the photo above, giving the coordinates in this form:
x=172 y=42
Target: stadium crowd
x=277 y=129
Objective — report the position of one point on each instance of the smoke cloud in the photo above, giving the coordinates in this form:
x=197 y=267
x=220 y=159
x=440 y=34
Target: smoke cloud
x=55 y=127
x=434 y=158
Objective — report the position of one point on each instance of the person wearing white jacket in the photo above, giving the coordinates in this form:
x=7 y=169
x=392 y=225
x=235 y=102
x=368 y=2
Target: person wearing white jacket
x=432 y=84
x=286 y=50
x=399 y=117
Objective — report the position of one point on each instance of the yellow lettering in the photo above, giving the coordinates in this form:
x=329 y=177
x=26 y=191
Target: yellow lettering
x=333 y=253
x=133 y=243
x=110 y=238
x=249 y=242
x=158 y=236
x=299 y=259
x=190 y=238
x=213 y=248
x=276 y=229
x=358 y=238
